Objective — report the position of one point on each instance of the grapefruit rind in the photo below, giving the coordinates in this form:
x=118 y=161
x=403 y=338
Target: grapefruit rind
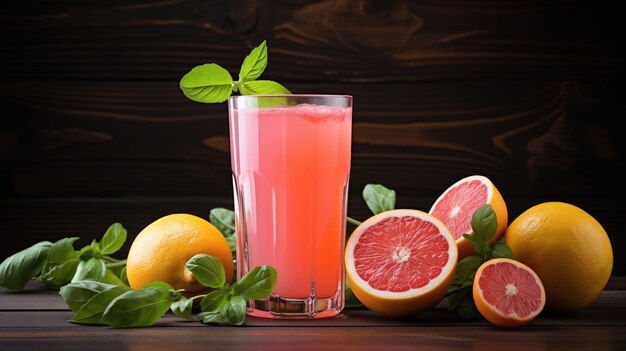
x=413 y=301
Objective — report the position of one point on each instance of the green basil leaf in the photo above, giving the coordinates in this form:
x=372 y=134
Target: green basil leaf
x=62 y=250
x=88 y=252
x=264 y=87
x=208 y=270
x=466 y=268
x=351 y=300
x=113 y=239
x=224 y=220
x=76 y=294
x=212 y=317
x=232 y=243
x=208 y=83
x=159 y=285
x=123 y=276
x=254 y=64
x=138 y=308
x=20 y=267
x=455 y=299
x=257 y=284
x=95 y=246
x=466 y=308
x=214 y=300
x=235 y=310
x=479 y=245
x=55 y=275
x=93 y=269
x=500 y=250
x=484 y=222
x=182 y=308
x=92 y=311
x=111 y=278
x=379 y=198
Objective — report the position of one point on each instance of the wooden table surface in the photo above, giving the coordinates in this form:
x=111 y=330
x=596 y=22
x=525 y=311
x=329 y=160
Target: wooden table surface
x=37 y=319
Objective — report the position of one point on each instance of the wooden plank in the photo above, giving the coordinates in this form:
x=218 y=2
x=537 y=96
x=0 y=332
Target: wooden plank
x=312 y=40
x=119 y=138
x=227 y=338
x=36 y=297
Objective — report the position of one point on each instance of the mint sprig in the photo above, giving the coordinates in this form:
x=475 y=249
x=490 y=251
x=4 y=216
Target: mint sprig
x=459 y=296
x=118 y=306
x=211 y=83
x=57 y=264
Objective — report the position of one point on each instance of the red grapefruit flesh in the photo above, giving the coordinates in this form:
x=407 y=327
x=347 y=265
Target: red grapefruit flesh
x=400 y=262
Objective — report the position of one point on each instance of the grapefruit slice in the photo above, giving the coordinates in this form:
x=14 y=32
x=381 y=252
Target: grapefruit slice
x=400 y=263
x=456 y=206
x=508 y=293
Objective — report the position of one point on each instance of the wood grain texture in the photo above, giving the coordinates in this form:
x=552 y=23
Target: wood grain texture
x=41 y=325
x=94 y=129
x=353 y=41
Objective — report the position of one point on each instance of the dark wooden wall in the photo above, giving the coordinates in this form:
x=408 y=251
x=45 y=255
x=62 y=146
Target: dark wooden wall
x=94 y=129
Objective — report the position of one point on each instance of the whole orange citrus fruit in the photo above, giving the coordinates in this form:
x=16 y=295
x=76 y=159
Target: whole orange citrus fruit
x=401 y=262
x=567 y=248
x=160 y=251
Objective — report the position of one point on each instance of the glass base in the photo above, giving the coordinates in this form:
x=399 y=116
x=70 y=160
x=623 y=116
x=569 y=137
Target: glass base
x=277 y=307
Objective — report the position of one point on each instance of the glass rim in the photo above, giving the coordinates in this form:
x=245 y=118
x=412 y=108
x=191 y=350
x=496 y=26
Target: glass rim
x=237 y=97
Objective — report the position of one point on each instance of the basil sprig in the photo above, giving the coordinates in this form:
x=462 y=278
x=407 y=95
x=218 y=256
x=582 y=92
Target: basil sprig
x=211 y=83
x=459 y=296
x=57 y=264
x=119 y=306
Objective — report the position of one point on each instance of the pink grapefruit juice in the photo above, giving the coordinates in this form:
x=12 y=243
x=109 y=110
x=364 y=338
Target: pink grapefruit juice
x=291 y=167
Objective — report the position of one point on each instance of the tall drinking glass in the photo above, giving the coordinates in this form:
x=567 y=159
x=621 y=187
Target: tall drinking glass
x=290 y=157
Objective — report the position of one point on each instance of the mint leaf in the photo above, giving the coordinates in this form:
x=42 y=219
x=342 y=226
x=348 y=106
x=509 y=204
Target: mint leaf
x=214 y=300
x=208 y=270
x=235 y=310
x=254 y=64
x=479 y=245
x=224 y=220
x=257 y=284
x=93 y=269
x=379 y=198
x=263 y=87
x=113 y=239
x=77 y=294
x=138 y=308
x=62 y=250
x=208 y=83
x=182 y=308
x=92 y=311
x=500 y=250
x=484 y=222
x=20 y=267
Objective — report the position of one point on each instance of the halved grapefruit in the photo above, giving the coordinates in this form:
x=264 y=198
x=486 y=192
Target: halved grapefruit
x=401 y=262
x=507 y=292
x=458 y=203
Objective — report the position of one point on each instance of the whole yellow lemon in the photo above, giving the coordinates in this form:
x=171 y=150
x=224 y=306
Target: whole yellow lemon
x=160 y=251
x=567 y=248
